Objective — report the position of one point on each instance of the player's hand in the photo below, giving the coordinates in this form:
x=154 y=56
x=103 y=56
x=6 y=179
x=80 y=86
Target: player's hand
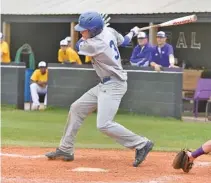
x=173 y=66
x=135 y=31
x=41 y=83
x=158 y=67
x=66 y=62
x=106 y=19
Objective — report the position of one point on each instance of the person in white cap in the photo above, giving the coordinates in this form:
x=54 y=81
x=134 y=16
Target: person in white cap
x=69 y=41
x=67 y=54
x=163 y=53
x=141 y=54
x=5 y=51
x=39 y=81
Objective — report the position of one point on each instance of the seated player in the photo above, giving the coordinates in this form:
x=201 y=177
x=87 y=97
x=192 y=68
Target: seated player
x=39 y=83
x=67 y=54
x=162 y=54
x=142 y=52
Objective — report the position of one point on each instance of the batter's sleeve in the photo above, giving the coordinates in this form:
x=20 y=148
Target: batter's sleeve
x=91 y=47
x=119 y=37
x=87 y=49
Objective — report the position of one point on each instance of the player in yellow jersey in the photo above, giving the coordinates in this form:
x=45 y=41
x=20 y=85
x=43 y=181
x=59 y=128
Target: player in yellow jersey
x=39 y=81
x=67 y=54
x=4 y=49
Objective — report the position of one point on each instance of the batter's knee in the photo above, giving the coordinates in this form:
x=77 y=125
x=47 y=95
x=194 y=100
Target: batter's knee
x=103 y=127
x=74 y=107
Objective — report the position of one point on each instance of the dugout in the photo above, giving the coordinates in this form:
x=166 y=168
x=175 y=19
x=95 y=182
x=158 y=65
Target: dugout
x=43 y=24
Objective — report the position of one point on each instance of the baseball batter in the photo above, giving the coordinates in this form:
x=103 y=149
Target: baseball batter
x=101 y=43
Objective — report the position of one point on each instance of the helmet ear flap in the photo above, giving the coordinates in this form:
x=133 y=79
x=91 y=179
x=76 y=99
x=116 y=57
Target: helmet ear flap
x=94 y=31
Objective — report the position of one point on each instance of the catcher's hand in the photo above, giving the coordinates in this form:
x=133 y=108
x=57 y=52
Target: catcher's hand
x=106 y=19
x=182 y=161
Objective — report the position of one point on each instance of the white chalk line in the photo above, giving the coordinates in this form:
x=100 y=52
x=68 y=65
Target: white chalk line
x=202 y=164
x=22 y=156
x=163 y=179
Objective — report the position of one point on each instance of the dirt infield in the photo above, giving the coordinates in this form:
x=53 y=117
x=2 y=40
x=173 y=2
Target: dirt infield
x=28 y=165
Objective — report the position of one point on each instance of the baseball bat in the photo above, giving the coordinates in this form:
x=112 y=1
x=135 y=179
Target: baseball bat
x=177 y=21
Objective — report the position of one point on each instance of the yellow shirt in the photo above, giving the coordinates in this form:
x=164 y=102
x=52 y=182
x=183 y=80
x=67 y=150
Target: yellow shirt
x=5 y=52
x=37 y=76
x=68 y=55
x=88 y=59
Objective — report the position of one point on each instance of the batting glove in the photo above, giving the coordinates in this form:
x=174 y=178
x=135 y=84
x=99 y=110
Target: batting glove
x=106 y=19
x=135 y=31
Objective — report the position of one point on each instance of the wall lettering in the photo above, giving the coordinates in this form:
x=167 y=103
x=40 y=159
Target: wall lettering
x=181 y=42
x=194 y=44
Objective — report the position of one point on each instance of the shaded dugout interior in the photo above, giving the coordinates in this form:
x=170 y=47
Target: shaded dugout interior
x=191 y=42
x=44 y=38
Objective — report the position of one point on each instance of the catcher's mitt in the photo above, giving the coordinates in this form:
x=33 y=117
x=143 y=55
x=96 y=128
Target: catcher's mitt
x=182 y=161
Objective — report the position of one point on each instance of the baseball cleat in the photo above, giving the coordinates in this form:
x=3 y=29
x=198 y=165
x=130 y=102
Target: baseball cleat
x=59 y=154
x=142 y=153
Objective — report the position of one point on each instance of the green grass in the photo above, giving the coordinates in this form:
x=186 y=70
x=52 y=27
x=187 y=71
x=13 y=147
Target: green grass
x=45 y=128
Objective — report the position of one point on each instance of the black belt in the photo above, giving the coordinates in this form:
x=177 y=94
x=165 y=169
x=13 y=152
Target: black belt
x=105 y=79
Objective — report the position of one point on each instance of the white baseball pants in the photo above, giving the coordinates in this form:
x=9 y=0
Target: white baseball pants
x=35 y=90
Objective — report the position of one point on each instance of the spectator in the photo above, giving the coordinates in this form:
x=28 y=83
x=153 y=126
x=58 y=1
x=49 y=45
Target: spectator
x=142 y=52
x=162 y=54
x=67 y=54
x=69 y=41
x=5 y=52
x=39 y=80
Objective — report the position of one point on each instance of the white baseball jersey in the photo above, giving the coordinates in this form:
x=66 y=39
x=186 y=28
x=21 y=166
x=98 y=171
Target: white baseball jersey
x=104 y=51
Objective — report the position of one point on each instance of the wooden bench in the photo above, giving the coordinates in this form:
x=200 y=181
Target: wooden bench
x=190 y=79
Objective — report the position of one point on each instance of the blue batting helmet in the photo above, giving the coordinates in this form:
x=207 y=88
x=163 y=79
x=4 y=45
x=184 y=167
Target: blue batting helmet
x=91 y=21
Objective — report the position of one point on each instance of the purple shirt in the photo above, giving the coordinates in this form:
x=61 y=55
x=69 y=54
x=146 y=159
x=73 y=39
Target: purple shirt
x=141 y=55
x=163 y=57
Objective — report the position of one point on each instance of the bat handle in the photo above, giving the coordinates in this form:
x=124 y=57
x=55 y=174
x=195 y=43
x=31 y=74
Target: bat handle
x=148 y=27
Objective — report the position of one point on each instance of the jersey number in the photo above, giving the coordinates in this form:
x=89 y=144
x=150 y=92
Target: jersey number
x=112 y=45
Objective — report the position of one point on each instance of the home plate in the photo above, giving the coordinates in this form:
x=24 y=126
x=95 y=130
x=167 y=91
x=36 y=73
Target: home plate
x=87 y=169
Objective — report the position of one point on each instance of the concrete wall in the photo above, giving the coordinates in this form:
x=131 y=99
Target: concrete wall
x=148 y=92
x=12 y=84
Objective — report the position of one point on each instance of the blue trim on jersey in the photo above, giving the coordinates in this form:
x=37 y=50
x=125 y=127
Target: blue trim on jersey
x=78 y=43
x=126 y=41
